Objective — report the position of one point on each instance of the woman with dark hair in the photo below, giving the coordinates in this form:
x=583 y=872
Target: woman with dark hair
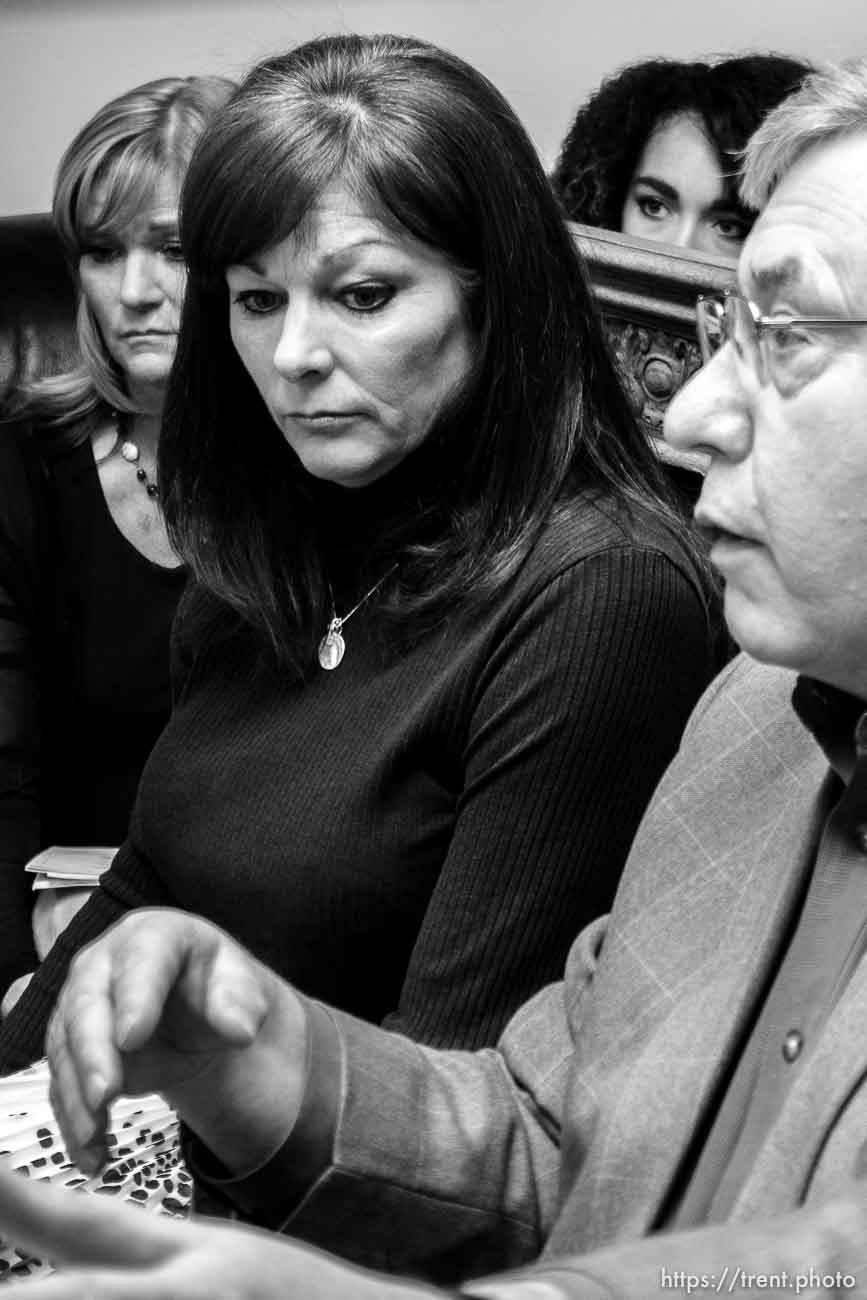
x=89 y=581
x=655 y=151
x=444 y=631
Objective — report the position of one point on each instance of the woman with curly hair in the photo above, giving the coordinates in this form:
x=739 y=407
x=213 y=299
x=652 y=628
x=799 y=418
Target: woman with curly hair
x=654 y=152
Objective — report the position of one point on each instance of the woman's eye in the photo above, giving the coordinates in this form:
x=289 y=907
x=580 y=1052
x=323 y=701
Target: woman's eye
x=258 y=302
x=650 y=206
x=172 y=251
x=102 y=253
x=732 y=229
x=367 y=297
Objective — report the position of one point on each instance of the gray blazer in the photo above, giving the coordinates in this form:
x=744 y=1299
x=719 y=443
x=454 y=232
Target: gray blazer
x=566 y=1139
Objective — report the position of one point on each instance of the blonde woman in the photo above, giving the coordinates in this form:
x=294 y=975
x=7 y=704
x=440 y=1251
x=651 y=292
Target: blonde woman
x=88 y=579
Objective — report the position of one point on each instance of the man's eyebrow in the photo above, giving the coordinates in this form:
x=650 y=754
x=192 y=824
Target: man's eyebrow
x=776 y=275
x=662 y=187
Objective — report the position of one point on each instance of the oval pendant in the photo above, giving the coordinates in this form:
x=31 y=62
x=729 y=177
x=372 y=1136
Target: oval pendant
x=332 y=648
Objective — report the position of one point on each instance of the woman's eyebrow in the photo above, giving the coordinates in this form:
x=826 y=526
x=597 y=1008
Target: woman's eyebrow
x=662 y=187
x=346 y=251
x=328 y=259
x=161 y=223
x=725 y=207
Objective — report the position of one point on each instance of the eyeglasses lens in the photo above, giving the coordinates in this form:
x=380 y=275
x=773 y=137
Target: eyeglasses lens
x=713 y=327
x=729 y=319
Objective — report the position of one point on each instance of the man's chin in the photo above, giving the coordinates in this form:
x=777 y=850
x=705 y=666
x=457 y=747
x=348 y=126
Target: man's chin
x=766 y=637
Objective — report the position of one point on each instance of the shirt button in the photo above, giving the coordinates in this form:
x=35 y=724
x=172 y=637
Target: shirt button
x=792 y=1044
x=861 y=837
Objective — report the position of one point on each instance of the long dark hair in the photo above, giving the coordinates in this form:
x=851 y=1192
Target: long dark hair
x=605 y=141
x=433 y=146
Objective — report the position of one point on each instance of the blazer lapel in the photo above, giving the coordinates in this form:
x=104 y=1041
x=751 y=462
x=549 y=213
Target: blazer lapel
x=683 y=966
x=802 y=1147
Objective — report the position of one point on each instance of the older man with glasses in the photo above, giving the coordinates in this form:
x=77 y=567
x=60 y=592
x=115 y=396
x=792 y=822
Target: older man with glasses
x=687 y=1111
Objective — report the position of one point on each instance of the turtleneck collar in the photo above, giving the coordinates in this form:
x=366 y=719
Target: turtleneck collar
x=360 y=528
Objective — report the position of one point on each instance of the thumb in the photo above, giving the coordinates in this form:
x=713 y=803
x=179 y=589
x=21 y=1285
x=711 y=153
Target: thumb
x=76 y=1228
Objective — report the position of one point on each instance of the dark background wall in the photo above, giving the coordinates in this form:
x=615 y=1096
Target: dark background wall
x=36 y=300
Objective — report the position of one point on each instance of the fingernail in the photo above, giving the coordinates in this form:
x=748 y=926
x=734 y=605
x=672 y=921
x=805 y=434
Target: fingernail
x=96 y=1090
x=91 y=1157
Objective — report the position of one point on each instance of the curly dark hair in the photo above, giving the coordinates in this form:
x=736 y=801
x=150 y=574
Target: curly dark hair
x=602 y=149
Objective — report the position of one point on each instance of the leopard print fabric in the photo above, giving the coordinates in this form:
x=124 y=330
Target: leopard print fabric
x=145 y=1167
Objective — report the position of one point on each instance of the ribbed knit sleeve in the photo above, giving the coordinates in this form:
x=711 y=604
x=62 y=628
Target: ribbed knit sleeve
x=582 y=707
x=129 y=883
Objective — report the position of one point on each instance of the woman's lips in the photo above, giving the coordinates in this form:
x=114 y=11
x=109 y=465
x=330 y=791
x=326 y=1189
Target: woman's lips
x=323 y=419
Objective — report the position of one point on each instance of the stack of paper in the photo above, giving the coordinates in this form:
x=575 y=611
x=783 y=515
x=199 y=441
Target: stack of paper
x=60 y=867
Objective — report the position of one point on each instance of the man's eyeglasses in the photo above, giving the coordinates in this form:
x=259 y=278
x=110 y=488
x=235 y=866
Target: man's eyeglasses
x=782 y=349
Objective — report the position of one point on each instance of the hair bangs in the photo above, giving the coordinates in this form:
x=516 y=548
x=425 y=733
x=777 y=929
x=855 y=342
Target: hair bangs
x=415 y=194
x=113 y=194
x=232 y=207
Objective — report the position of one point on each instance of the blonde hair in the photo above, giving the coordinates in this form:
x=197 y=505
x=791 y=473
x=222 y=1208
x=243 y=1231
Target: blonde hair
x=831 y=102
x=113 y=165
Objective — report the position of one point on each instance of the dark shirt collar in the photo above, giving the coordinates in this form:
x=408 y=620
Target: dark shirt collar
x=837 y=721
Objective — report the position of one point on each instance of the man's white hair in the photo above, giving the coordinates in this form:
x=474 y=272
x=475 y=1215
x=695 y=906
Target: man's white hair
x=831 y=102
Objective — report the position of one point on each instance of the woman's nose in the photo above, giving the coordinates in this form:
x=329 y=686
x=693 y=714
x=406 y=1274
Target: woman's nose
x=140 y=286
x=303 y=348
x=712 y=412
x=686 y=231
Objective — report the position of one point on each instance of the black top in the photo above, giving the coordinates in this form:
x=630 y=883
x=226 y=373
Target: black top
x=84 y=687
x=419 y=835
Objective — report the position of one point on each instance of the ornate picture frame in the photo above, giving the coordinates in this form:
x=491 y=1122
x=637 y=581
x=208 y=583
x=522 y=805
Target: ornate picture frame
x=646 y=293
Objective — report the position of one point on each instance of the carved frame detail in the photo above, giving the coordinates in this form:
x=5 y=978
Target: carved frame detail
x=646 y=293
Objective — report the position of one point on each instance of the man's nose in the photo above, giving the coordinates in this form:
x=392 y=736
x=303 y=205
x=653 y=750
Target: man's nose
x=711 y=413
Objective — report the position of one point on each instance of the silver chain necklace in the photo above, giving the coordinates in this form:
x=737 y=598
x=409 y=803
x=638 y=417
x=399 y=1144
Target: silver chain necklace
x=332 y=647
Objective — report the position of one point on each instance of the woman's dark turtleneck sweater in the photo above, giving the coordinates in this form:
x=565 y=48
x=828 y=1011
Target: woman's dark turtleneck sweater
x=361 y=531
x=418 y=836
